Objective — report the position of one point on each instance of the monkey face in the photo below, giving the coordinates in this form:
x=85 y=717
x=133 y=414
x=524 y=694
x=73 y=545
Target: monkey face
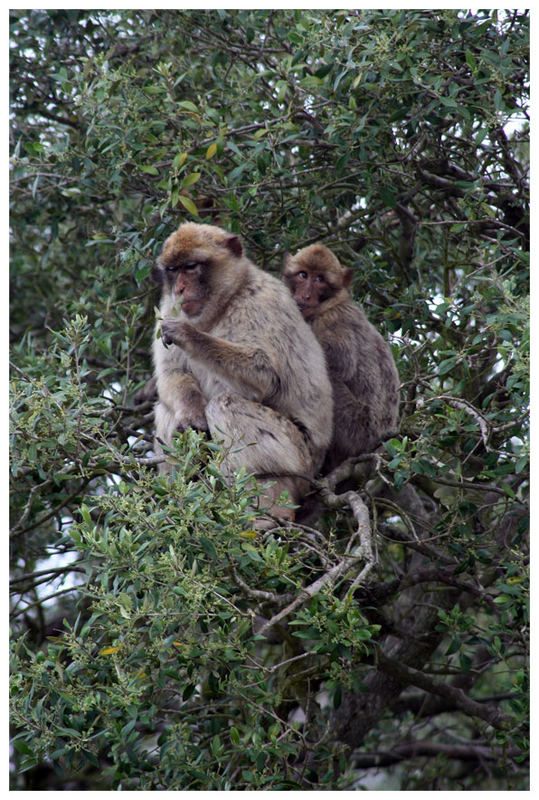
x=197 y=265
x=188 y=283
x=314 y=275
x=309 y=290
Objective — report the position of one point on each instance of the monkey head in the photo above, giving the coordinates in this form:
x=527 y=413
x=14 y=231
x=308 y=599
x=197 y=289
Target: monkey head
x=315 y=277
x=199 y=263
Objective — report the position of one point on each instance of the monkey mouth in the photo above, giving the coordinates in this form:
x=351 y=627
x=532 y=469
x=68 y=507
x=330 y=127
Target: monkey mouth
x=192 y=307
x=307 y=308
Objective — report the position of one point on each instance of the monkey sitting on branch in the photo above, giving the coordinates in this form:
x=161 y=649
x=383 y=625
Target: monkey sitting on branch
x=362 y=371
x=239 y=361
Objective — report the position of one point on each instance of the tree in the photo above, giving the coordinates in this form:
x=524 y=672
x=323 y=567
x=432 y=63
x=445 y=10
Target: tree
x=158 y=641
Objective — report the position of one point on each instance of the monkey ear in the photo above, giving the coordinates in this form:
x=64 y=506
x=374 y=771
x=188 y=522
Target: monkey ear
x=286 y=259
x=157 y=272
x=347 y=277
x=234 y=245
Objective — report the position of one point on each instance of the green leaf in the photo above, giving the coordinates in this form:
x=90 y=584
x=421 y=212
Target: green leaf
x=190 y=179
x=187 y=105
x=179 y=160
x=188 y=204
x=22 y=747
x=447 y=365
x=470 y=60
x=503 y=599
x=521 y=464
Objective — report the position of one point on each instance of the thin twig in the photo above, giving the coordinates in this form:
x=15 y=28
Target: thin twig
x=361 y=553
x=258 y=594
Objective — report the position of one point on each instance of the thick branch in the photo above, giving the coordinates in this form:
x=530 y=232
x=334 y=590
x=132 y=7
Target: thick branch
x=421 y=705
x=410 y=676
x=416 y=616
x=377 y=594
x=467 y=752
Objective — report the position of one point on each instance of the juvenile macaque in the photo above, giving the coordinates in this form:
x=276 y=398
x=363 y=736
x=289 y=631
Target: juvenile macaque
x=234 y=356
x=360 y=363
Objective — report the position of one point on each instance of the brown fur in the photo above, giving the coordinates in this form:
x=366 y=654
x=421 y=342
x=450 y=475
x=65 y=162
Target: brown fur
x=361 y=367
x=240 y=362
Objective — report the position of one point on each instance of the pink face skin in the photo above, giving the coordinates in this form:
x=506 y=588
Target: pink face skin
x=188 y=285
x=309 y=291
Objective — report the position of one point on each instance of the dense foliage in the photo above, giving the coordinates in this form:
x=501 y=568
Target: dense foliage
x=158 y=641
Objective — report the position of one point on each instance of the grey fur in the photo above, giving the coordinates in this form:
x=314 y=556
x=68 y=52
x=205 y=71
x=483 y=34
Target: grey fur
x=246 y=366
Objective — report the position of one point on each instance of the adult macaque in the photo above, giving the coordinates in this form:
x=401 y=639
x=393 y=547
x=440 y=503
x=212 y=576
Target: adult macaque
x=361 y=367
x=238 y=360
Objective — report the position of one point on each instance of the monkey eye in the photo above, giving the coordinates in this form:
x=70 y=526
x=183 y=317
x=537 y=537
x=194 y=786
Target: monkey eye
x=302 y=275
x=319 y=278
x=190 y=265
x=171 y=268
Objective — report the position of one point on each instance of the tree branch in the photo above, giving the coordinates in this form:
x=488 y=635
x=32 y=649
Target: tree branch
x=467 y=752
x=350 y=557
x=410 y=676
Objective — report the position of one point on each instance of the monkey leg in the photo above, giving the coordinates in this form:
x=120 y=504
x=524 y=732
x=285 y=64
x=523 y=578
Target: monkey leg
x=262 y=441
x=168 y=421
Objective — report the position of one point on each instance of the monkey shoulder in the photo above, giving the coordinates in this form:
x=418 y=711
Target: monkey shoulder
x=295 y=351
x=263 y=311
x=339 y=330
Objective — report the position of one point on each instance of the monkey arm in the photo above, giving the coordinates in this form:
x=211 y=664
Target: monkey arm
x=341 y=361
x=357 y=426
x=354 y=423
x=182 y=397
x=241 y=366
x=344 y=400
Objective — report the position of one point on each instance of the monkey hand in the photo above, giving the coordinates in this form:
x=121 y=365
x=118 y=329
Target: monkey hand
x=191 y=412
x=197 y=421
x=176 y=331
